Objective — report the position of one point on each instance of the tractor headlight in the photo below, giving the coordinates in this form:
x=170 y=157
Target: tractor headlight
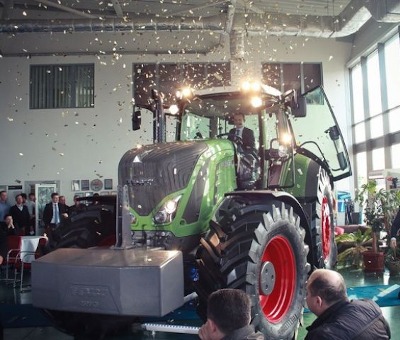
x=248 y=86
x=256 y=101
x=173 y=109
x=185 y=92
x=167 y=211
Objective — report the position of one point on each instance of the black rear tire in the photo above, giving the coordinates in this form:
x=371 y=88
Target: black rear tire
x=258 y=248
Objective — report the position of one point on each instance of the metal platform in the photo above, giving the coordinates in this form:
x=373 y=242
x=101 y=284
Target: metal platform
x=109 y=281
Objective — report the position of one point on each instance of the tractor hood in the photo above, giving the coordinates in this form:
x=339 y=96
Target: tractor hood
x=152 y=172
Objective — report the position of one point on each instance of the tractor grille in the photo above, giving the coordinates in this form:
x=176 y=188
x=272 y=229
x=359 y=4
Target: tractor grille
x=154 y=171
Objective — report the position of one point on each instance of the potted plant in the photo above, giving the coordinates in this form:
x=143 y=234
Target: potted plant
x=379 y=208
x=351 y=246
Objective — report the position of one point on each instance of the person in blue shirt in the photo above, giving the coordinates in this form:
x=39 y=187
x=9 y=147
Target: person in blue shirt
x=4 y=206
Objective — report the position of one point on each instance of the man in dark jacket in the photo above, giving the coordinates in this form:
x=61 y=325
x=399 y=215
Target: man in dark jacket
x=20 y=215
x=245 y=134
x=228 y=317
x=54 y=213
x=337 y=317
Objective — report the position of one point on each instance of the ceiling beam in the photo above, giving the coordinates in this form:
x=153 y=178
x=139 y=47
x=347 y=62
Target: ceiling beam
x=231 y=14
x=117 y=8
x=190 y=10
x=66 y=9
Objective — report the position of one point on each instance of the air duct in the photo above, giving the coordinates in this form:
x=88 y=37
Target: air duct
x=353 y=17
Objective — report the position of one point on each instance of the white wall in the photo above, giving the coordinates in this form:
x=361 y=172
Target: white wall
x=88 y=143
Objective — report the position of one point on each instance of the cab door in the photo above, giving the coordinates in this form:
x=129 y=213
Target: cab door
x=318 y=135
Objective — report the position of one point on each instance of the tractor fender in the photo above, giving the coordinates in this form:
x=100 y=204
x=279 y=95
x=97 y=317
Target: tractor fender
x=261 y=196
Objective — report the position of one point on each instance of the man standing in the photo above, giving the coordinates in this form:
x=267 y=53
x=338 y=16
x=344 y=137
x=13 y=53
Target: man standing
x=4 y=206
x=228 y=317
x=54 y=213
x=337 y=317
x=20 y=215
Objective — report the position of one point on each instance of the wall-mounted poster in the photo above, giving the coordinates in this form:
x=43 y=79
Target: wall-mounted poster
x=76 y=185
x=84 y=184
x=108 y=184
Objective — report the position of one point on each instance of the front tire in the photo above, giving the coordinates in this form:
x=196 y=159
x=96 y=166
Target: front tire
x=258 y=248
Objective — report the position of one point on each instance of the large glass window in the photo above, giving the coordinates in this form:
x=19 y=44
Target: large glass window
x=374 y=84
x=359 y=133
x=362 y=175
x=378 y=159
x=395 y=152
x=394 y=120
x=376 y=126
x=376 y=130
x=392 y=57
x=357 y=91
x=61 y=86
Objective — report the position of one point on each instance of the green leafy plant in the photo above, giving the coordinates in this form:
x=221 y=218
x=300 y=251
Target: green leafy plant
x=379 y=208
x=354 y=244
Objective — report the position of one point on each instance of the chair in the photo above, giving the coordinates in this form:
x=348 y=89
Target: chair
x=28 y=253
x=13 y=249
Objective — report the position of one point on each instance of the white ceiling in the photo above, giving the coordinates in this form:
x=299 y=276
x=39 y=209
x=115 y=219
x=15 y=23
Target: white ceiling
x=329 y=18
x=48 y=9
x=230 y=19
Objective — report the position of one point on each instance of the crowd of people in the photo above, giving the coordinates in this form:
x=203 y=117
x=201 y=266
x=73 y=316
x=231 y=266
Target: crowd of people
x=19 y=219
x=22 y=213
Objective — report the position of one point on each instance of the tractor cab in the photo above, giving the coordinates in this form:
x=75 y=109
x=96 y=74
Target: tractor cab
x=272 y=116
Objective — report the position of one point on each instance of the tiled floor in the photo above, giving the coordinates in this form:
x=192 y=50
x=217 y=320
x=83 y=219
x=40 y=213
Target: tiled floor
x=352 y=277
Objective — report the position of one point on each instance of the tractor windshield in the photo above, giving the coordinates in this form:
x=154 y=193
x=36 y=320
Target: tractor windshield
x=211 y=116
x=318 y=134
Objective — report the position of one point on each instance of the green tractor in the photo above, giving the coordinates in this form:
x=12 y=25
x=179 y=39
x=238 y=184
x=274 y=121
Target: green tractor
x=206 y=212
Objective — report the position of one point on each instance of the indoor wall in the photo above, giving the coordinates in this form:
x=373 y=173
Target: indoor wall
x=71 y=144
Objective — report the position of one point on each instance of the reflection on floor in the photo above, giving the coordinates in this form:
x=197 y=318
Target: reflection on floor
x=353 y=278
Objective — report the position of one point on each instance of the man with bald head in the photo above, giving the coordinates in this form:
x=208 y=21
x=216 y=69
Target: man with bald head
x=337 y=317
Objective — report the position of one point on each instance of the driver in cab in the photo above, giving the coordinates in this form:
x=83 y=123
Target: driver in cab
x=242 y=133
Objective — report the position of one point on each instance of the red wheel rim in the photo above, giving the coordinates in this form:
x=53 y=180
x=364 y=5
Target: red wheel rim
x=325 y=227
x=279 y=253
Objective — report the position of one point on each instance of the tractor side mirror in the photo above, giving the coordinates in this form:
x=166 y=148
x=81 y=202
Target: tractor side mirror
x=136 y=120
x=299 y=106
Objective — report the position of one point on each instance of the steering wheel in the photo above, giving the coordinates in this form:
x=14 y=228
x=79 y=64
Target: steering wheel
x=198 y=135
x=221 y=135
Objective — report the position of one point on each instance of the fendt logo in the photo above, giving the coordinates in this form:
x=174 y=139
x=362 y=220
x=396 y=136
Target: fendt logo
x=142 y=181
